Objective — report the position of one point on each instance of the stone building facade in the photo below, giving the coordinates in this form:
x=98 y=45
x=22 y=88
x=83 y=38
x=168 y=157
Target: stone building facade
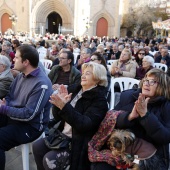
x=77 y=17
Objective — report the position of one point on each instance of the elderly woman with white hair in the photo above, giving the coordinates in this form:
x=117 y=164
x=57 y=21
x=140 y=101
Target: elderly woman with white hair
x=147 y=64
x=80 y=114
x=6 y=77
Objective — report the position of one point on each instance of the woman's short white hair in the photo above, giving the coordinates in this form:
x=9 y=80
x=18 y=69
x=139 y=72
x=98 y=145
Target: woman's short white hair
x=5 y=61
x=99 y=72
x=149 y=59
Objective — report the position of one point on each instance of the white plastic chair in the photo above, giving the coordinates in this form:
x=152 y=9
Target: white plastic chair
x=109 y=62
x=75 y=57
x=109 y=67
x=161 y=66
x=42 y=52
x=46 y=63
x=26 y=149
x=47 y=71
x=125 y=83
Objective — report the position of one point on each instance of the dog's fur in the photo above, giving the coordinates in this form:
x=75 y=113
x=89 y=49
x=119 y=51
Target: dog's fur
x=119 y=141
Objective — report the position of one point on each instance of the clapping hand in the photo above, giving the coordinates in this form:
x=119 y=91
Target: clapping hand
x=55 y=86
x=61 y=98
x=134 y=114
x=141 y=105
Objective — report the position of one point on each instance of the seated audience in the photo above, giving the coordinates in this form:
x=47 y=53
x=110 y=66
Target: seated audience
x=52 y=55
x=15 y=44
x=147 y=51
x=64 y=73
x=147 y=64
x=24 y=113
x=80 y=115
x=6 y=76
x=98 y=58
x=147 y=116
x=164 y=56
x=108 y=50
x=139 y=57
x=115 y=52
x=83 y=58
x=124 y=67
x=7 y=51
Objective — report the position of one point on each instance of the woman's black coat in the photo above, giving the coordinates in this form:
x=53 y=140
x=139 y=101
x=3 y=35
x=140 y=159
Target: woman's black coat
x=85 y=119
x=154 y=128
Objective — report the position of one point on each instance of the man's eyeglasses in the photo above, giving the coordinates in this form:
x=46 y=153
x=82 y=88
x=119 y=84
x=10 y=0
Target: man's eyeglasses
x=141 y=53
x=149 y=82
x=93 y=59
x=61 y=58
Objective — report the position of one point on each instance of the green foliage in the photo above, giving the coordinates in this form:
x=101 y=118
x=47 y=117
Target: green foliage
x=141 y=18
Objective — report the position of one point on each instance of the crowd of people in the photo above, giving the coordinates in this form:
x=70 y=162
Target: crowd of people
x=76 y=92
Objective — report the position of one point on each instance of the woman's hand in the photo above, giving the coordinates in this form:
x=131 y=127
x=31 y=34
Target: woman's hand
x=134 y=114
x=61 y=98
x=115 y=70
x=55 y=86
x=141 y=105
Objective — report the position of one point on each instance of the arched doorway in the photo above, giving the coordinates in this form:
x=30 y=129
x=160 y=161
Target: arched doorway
x=129 y=33
x=102 y=27
x=54 y=21
x=5 y=23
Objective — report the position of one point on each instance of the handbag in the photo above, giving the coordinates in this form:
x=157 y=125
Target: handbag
x=57 y=140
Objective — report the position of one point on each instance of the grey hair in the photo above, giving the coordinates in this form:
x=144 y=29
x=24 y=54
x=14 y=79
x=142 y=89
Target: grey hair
x=5 y=61
x=7 y=43
x=149 y=59
x=87 y=50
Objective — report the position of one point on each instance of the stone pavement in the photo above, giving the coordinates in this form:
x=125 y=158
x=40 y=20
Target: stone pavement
x=14 y=160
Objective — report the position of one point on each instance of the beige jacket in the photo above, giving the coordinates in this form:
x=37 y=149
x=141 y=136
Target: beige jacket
x=130 y=69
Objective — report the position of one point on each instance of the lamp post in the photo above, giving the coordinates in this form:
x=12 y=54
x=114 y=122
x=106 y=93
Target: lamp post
x=13 y=18
x=59 y=28
x=87 y=24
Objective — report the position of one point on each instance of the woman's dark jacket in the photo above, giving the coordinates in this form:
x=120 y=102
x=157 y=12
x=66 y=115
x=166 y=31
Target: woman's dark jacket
x=85 y=119
x=154 y=127
x=140 y=72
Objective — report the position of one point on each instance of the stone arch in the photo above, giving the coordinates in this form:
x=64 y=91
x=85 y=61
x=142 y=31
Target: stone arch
x=41 y=12
x=110 y=20
x=4 y=9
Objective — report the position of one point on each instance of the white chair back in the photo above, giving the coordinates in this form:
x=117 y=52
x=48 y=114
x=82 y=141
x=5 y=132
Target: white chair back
x=109 y=62
x=161 y=66
x=75 y=57
x=109 y=67
x=46 y=63
x=42 y=53
x=47 y=71
x=125 y=83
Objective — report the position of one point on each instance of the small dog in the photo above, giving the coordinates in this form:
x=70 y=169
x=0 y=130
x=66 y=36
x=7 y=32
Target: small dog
x=131 y=152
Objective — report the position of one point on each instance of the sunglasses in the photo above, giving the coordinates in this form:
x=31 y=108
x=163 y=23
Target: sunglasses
x=93 y=59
